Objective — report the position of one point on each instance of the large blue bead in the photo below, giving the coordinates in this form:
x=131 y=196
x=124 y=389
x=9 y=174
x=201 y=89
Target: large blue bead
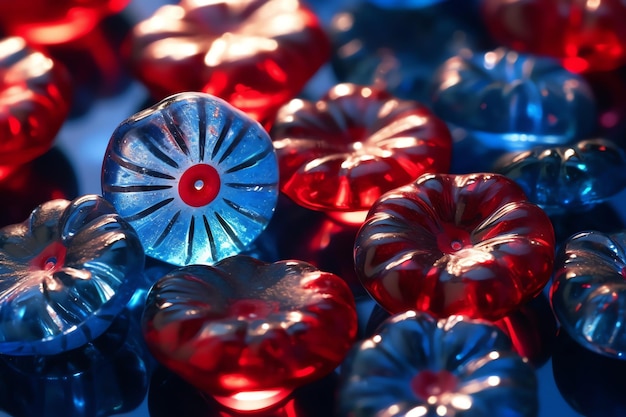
x=503 y=100
x=196 y=177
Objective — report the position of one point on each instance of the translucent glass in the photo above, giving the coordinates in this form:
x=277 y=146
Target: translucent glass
x=197 y=178
x=455 y=244
x=568 y=178
x=583 y=35
x=510 y=101
x=249 y=332
x=35 y=96
x=588 y=292
x=418 y=366
x=255 y=54
x=65 y=274
x=341 y=153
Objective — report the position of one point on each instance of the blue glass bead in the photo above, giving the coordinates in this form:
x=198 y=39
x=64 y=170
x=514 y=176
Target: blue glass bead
x=406 y=46
x=568 y=178
x=107 y=376
x=588 y=291
x=502 y=100
x=195 y=177
x=65 y=274
x=417 y=365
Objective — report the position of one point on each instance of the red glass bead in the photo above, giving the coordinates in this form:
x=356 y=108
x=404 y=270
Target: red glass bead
x=35 y=95
x=585 y=35
x=47 y=22
x=255 y=54
x=343 y=152
x=455 y=244
x=249 y=332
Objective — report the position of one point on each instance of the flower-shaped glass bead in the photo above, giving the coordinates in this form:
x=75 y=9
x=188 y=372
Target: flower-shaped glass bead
x=255 y=54
x=588 y=291
x=568 y=178
x=584 y=35
x=35 y=95
x=249 y=332
x=419 y=366
x=507 y=101
x=197 y=178
x=341 y=153
x=455 y=244
x=65 y=274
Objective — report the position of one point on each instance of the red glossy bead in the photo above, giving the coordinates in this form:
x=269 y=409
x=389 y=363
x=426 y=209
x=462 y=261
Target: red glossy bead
x=35 y=95
x=455 y=244
x=48 y=22
x=248 y=332
x=585 y=35
x=255 y=54
x=340 y=154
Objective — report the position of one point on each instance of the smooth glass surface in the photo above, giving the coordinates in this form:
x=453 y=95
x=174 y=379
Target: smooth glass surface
x=35 y=96
x=342 y=152
x=65 y=274
x=584 y=35
x=569 y=178
x=455 y=244
x=249 y=332
x=415 y=365
x=197 y=178
x=511 y=100
x=588 y=291
x=255 y=54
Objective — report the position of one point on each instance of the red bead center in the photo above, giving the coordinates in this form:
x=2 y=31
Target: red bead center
x=199 y=185
x=50 y=259
x=429 y=383
x=452 y=239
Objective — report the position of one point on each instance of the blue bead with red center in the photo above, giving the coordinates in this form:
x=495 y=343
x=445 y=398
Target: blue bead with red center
x=196 y=177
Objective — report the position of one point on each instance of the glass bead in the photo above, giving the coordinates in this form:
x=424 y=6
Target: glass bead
x=503 y=101
x=583 y=35
x=341 y=153
x=248 y=332
x=588 y=290
x=255 y=54
x=416 y=365
x=65 y=274
x=197 y=178
x=35 y=96
x=42 y=22
x=568 y=178
x=455 y=244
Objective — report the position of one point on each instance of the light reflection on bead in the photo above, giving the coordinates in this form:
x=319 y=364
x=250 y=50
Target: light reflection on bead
x=568 y=178
x=197 y=178
x=506 y=101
